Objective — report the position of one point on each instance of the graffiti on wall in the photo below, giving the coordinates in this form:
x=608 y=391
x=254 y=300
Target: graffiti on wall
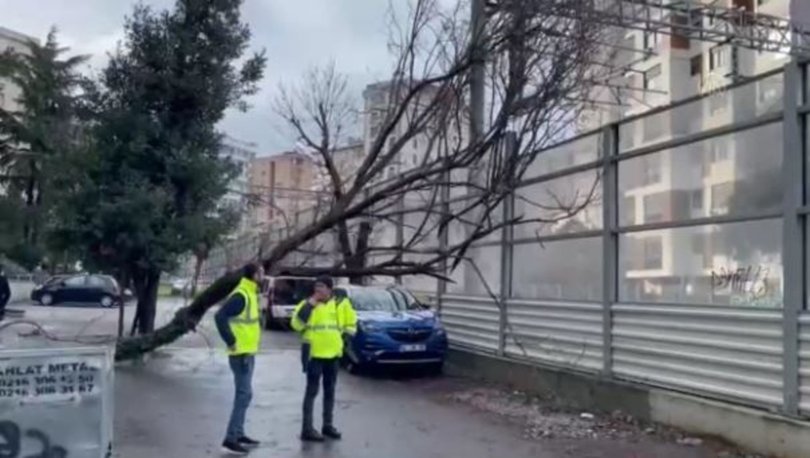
x=41 y=399
x=12 y=436
x=749 y=285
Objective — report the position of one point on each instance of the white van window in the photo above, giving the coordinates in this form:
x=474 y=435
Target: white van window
x=291 y=291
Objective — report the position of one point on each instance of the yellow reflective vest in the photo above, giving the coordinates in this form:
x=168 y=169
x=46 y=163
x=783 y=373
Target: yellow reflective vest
x=325 y=327
x=246 y=327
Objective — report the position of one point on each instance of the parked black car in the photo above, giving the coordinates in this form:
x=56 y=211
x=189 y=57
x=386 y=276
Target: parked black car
x=79 y=289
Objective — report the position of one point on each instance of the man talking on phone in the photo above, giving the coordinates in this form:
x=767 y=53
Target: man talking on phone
x=321 y=321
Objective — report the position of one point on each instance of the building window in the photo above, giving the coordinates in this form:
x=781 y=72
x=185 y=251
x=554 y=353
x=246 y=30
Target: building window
x=721 y=198
x=650 y=40
x=718 y=101
x=654 y=128
x=652 y=78
x=696 y=65
x=653 y=253
x=415 y=142
x=629 y=211
x=696 y=200
x=651 y=170
x=653 y=208
x=718 y=57
x=718 y=151
x=769 y=91
x=415 y=159
x=700 y=247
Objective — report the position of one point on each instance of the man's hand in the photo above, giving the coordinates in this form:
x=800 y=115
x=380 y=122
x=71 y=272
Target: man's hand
x=232 y=348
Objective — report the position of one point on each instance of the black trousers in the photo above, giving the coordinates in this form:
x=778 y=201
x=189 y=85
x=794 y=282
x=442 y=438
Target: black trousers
x=317 y=370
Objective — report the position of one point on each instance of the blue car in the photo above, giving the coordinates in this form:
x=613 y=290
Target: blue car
x=393 y=328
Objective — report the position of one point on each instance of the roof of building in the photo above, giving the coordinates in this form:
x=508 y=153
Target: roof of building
x=16 y=36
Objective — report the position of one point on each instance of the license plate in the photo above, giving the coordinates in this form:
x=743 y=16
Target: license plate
x=411 y=348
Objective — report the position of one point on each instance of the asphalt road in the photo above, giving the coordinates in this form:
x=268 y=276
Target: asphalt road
x=176 y=404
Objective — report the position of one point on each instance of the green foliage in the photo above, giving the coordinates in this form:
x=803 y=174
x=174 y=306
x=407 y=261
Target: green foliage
x=36 y=137
x=151 y=185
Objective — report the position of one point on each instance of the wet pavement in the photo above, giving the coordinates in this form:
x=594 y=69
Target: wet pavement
x=176 y=404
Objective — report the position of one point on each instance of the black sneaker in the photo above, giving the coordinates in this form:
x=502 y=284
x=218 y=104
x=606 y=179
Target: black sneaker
x=234 y=448
x=247 y=442
x=331 y=432
x=311 y=435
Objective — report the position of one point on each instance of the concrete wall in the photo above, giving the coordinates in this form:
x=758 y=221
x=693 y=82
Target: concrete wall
x=754 y=429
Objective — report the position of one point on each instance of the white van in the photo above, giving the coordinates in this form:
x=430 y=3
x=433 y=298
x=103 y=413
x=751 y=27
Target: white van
x=281 y=295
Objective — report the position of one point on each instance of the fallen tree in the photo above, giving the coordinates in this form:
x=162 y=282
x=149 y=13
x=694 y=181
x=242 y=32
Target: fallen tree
x=539 y=70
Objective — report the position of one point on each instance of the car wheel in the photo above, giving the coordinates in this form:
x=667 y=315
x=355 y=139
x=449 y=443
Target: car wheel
x=352 y=367
x=46 y=299
x=107 y=301
x=436 y=369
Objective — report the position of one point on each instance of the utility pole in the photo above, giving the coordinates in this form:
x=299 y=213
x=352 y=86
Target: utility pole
x=477 y=73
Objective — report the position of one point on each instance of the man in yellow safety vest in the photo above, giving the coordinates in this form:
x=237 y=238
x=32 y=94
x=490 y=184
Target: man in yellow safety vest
x=238 y=324
x=322 y=322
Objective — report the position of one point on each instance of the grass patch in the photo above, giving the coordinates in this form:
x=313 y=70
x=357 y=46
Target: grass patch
x=164 y=291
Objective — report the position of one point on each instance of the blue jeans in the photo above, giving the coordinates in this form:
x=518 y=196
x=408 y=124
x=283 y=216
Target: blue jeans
x=318 y=370
x=242 y=368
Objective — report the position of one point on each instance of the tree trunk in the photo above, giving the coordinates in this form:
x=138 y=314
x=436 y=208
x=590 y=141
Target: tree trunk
x=146 y=289
x=185 y=320
x=123 y=283
x=358 y=259
x=198 y=263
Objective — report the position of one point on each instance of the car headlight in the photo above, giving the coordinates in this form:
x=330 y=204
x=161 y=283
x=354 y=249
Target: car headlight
x=438 y=328
x=368 y=327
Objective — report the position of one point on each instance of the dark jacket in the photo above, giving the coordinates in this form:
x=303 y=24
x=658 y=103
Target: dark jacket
x=230 y=309
x=5 y=291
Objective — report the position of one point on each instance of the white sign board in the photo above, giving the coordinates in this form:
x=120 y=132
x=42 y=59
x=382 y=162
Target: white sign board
x=56 y=403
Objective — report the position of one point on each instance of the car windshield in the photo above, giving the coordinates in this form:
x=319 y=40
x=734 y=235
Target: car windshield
x=406 y=298
x=373 y=299
x=291 y=291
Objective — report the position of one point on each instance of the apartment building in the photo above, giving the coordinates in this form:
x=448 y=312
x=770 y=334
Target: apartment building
x=699 y=180
x=241 y=154
x=283 y=185
x=18 y=42
x=348 y=159
x=9 y=93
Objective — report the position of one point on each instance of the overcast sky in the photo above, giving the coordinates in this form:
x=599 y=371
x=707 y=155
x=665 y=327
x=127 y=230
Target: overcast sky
x=297 y=34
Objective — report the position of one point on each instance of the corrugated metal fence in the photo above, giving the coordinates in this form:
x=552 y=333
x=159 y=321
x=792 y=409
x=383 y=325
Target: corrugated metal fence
x=804 y=364
x=688 y=271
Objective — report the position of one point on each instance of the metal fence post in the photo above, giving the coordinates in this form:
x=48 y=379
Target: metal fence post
x=444 y=241
x=610 y=240
x=400 y=230
x=792 y=236
x=507 y=235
